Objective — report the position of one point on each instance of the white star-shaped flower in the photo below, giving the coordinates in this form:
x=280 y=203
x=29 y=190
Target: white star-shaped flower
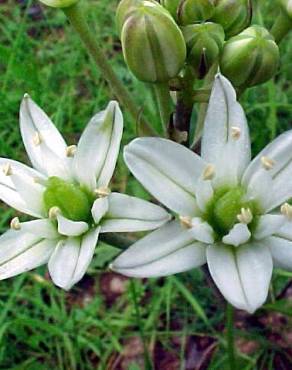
x=231 y=211
x=67 y=191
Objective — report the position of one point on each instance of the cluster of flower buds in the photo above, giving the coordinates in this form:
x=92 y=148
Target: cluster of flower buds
x=160 y=37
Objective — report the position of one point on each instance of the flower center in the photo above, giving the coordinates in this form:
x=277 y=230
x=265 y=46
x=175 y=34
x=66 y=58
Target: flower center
x=73 y=201
x=225 y=207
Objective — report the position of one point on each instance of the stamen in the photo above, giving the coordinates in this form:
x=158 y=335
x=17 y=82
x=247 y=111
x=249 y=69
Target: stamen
x=54 y=212
x=37 y=139
x=102 y=192
x=15 y=224
x=245 y=216
x=186 y=222
x=71 y=150
x=209 y=172
x=235 y=133
x=286 y=211
x=7 y=170
x=267 y=163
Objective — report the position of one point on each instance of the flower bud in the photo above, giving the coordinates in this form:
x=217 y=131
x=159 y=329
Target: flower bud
x=250 y=58
x=194 y=11
x=124 y=9
x=233 y=15
x=59 y=3
x=287 y=7
x=153 y=45
x=171 y=6
x=204 y=43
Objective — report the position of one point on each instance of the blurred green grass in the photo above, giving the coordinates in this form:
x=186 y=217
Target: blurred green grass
x=41 y=327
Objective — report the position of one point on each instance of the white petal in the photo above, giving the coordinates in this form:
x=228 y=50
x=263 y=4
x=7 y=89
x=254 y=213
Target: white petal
x=63 y=261
x=268 y=225
x=285 y=231
x=31 y=192
x=281 y=250
x=279 y=151
x=181 y=260
x=9 y=193
x=154 y=246
x=204 y=193
x=238 y=235
x=98 y=148
x=99 y=209
x=71 y=258
x=88 y=245
x=43 y=142
x=242 y=274
x=21 y=252
x=167 y=170
x=129 y=214
x=230 y=155
x=71 y=228
x=260 y=189
x=202 y=231
x=43 y=228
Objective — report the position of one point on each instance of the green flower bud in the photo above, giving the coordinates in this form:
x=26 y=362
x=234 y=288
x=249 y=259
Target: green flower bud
x=233 y=15
x=250 y=58
x=72 y=201
x=171 y=6
x=153 y=45
x=204 y=43
x=194 y=11
x=125 y=9
x=59 y=3
x=287 y=7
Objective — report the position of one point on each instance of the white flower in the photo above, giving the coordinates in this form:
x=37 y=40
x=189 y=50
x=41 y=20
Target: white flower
x=68 y=192
x=229 y=209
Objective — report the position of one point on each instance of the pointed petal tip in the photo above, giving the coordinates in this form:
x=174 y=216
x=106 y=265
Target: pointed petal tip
x=26 y=96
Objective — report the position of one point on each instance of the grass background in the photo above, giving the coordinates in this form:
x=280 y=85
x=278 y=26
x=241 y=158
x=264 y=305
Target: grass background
x=109 y=322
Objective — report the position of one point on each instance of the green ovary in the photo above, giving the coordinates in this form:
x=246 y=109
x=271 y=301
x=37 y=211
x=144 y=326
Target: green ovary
x=73 y=201
x=224 y=207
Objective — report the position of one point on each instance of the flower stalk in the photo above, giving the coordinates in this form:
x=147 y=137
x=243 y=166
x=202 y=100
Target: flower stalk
x=164 y=104
x=76 y=16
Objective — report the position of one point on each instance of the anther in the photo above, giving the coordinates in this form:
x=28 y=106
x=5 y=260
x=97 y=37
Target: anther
x=286 y=210
x=267 y=163
x=186 y=222
x=209 y=172
x=235 y=133
x=37 y=139
x=54 y=212
x=7 y=170
x=245 y=216
x=71 y=150
x=102 y=192
x=15 y=224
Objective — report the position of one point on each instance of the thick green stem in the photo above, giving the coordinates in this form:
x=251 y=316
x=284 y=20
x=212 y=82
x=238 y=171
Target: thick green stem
x=203 y=107
x=230 y=336
x=164 y=104
x=77 y=18
x=282 y=25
